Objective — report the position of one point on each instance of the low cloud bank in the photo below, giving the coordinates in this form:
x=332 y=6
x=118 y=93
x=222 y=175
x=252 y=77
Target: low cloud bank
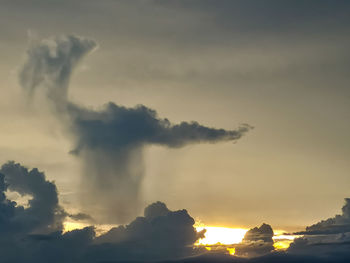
x=334 y=225
x=328 y=239
x=34 y=234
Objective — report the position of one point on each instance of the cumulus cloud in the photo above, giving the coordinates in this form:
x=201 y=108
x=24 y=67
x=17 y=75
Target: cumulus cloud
x=334 y=225
x=257 y=241
x=43 y=213
x=328 y=239
x=34 y=234
x=160 y=234
x=110 y=141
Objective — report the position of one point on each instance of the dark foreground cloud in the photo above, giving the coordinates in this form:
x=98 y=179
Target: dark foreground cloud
x=160 y=234
x=257 y=241
x=276 y=257
x=334 y=225
x=329 y=239
x=109 y=141
x=34 y=234
x=325 y=241
x=43 y=213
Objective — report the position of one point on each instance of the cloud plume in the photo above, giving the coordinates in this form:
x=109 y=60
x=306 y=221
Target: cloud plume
x=50 y=63
x=110 y=141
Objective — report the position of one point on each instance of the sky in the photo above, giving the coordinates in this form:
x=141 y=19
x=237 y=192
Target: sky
x=273 y=75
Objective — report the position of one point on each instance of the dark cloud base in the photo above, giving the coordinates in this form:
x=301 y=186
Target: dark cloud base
x=34 y=233
x=271 y=258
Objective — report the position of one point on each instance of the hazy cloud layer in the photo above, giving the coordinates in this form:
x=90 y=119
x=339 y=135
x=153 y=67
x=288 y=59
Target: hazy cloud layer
x=50 y=63
x=109 y=141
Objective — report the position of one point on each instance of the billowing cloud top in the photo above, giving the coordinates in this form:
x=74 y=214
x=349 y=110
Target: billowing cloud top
x=334 y=225
x=34 y=234
x=257 y=241
x=43 y=213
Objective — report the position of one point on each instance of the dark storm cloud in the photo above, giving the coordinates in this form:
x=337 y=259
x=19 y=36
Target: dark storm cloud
x=27 y=234
x=109 y=141
x=116 y=127
x=257 y=241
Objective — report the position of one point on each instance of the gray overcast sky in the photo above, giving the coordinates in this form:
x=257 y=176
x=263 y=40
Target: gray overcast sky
x=280 y=66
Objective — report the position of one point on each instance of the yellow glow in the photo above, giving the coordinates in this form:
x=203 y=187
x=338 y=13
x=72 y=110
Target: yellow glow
x=215 y=237
x=282 y=245
x=69 y=226
x=222 y=235
x=231 y=251
x=99 y=229
x=281 y=241
x=227 y=236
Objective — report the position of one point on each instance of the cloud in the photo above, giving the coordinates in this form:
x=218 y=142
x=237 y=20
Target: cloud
x=156 y=209
x=334 y=251
x=160 y=234
x=43 y=214
x=110 y=141
x=277 y=257
x=328 y=239
x=257 y=241
x=34 y=234
x=334 y=225
x=81 y=217
x=50 y=63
